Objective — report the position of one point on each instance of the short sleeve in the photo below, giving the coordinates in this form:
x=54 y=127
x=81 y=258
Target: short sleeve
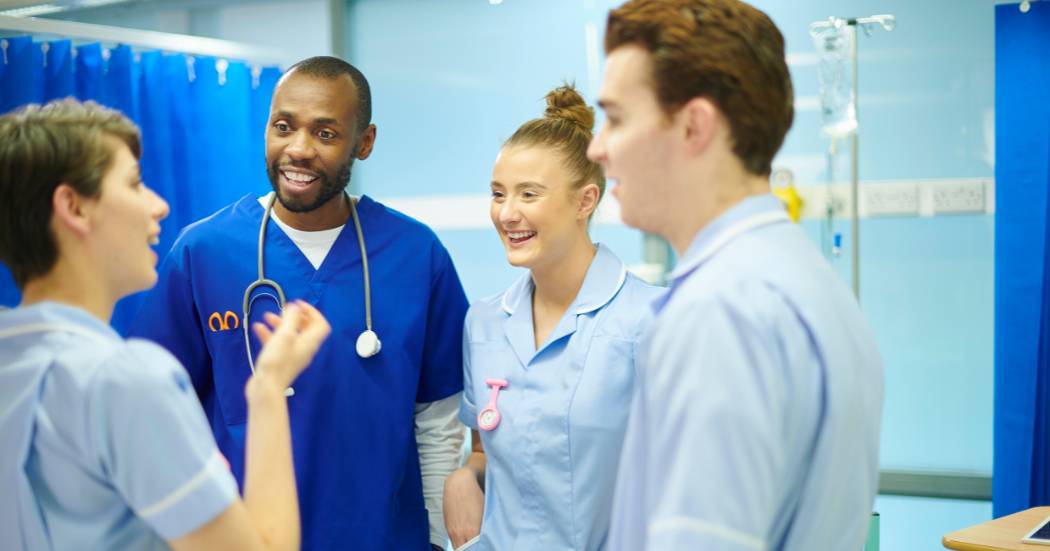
x=442 y=370
x=468 y=411
x=154 y=443
x=720 y=398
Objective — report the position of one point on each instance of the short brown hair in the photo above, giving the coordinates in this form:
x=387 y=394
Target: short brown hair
x=724 y=50
x=566 y=127
x=40 y=148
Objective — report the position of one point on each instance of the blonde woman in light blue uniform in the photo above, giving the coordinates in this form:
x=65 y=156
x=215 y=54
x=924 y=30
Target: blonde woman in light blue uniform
x=549 y=365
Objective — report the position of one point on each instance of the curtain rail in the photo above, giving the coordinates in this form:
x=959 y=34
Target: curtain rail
x=170 y=42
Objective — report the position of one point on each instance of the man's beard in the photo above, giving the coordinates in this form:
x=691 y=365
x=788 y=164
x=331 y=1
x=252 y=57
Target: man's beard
x=328 y=187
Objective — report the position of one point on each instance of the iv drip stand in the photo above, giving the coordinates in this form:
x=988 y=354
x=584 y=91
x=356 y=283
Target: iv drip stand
x=887 y=22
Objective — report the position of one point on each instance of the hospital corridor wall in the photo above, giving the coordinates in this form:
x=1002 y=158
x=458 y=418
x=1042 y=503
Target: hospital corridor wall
x=250 y=22
x=459 y=76
x=453 y=79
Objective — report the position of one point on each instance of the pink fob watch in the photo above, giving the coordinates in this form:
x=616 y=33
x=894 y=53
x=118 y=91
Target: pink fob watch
x=488 y=417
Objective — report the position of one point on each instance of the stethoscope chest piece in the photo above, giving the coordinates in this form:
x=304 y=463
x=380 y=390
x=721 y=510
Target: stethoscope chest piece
x=368 y=344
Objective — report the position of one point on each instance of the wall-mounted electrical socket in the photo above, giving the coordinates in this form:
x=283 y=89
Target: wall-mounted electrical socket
x=890 y=199
x=816 y=200
x=958 y=197
x=902 y=198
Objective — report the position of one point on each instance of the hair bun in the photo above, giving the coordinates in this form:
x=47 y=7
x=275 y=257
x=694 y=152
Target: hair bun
x=565 y=103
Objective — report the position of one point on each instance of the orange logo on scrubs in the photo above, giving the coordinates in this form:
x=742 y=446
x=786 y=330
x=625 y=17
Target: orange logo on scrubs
x=221 y=322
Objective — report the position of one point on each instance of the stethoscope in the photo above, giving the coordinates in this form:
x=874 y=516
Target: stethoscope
x=368 y=343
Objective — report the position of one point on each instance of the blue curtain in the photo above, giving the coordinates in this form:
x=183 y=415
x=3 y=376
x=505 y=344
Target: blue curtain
x=202 y=123
x=1021 y=477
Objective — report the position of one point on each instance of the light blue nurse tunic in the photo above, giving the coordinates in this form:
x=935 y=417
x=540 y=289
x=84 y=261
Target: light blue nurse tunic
x=755 y=423
x=553 y=457
x=105 y=445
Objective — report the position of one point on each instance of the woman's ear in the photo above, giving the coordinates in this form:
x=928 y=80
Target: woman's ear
x=588 y=196
x=70 y=210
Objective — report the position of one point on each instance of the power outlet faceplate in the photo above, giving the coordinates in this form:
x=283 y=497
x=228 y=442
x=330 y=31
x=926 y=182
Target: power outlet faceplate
x=959 y=197
x=891 y=200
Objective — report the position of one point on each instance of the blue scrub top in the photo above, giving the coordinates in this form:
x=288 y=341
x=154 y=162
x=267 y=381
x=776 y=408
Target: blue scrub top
x=356 y=462
x=755 y=423
x=104 y=444
x=551 y=462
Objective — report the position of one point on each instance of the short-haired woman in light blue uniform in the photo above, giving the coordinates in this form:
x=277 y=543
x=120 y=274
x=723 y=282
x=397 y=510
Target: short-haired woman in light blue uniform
x=549 y=365
x=105 y=445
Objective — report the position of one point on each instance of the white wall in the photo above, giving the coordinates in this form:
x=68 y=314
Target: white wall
x=301 y=28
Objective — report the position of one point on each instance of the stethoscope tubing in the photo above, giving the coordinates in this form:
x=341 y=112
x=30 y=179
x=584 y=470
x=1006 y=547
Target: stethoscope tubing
x=262 y=281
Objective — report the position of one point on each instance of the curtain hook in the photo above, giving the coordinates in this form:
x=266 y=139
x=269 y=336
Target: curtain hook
x=1025 y=6
x=190 y=73
x=3 y=46
x=44 y=47
x=220 y=67
x=256 y=76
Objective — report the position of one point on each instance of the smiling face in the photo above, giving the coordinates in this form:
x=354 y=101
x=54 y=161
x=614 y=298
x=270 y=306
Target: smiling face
x=535 y=208
x=312 y=140
x=125 y=221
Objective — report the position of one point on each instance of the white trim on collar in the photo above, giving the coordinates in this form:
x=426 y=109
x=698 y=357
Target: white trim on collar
x=515 y=290
x=585 y=308
x=728 y=234
x=47 y=327
x=603 y=258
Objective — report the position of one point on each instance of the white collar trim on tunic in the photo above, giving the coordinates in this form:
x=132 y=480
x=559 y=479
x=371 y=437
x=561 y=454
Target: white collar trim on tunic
x=595 y=292
x=750 y=214
x=48 y=316
x=47 y=327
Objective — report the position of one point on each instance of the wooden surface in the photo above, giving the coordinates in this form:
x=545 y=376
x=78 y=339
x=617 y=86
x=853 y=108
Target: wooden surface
x=1001 y=533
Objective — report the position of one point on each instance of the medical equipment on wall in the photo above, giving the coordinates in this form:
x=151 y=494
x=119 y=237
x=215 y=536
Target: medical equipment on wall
x=836 y=41
x=834 y=74
x=782 y=184
x=489 y=416
x=368 y=343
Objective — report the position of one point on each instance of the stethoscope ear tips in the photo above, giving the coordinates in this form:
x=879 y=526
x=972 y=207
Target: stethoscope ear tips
x=368 y=344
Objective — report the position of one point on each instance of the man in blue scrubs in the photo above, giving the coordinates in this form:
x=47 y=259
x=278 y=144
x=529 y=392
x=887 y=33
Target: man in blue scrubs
x=371 y=435
x=755 y=423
